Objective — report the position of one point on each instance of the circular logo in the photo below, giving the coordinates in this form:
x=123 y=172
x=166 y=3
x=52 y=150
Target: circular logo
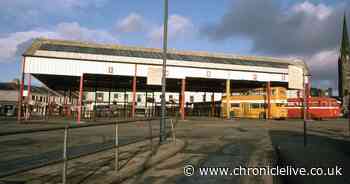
x=188 y=170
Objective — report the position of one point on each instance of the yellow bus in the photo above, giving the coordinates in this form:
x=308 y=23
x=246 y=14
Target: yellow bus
x=253 y=104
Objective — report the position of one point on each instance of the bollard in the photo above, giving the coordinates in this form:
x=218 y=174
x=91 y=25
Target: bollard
x=177 y=117
x=150 y=135
x=116 y=168
x=173 y=130
x=65 y=158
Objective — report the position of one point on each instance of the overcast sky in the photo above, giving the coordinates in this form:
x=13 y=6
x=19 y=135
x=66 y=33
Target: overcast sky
x=310 y=30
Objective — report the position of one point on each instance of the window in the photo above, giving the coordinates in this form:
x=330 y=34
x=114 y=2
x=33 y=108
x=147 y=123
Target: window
x=255 y=106
x=116 y=96
x=99 y=97
x=273 y=93
x=138 y=98
x=235 y=105
x=33 y=97
x=126 y=97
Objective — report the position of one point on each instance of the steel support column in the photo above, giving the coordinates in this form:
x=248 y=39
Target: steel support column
x=27 y=116
x=305 y=111
x=182 y=104
x=308 y=95
x=81 y=86
x=300 y=100
x=95 y=100
x=20 y=94
x=48 y=111
x=65 y=97
x=125 y=99
x=29 y=87
x=213 y=104
x=70 y=102
x=268 y=95
x=134 y=93
x=228 y=96
x=109 y=103
x=65 y=103
x=146 y=111
x=153 y=105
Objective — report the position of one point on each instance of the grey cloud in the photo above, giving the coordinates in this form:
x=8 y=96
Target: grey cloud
x=276 y=30
x=305 y=30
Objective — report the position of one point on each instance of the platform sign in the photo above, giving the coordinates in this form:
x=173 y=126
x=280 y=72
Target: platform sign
x=295 y=77
x=154 y=75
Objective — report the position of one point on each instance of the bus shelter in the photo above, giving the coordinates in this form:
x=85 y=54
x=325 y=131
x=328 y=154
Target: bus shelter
x=72 y=67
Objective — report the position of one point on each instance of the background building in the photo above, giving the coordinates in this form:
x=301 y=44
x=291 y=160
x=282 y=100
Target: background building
x=37 y=103
x=344 y=68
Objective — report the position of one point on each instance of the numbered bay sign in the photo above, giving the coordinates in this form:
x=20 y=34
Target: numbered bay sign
x=154 y=75
x=295 y=77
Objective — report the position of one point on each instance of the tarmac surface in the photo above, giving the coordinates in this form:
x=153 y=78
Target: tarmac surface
x=26 y=151
x=210 y=143
x=252 y=143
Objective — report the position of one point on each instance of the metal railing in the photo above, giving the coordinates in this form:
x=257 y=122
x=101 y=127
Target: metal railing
x=66 y=129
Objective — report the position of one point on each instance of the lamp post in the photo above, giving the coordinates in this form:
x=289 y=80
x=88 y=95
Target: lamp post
x=306 y=104
x=165 y=37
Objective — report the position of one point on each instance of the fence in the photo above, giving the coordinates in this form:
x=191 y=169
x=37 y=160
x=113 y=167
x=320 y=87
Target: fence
x=170 y=130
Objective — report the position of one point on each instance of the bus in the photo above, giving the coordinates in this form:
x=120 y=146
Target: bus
x=253 y=104
x=319 y=108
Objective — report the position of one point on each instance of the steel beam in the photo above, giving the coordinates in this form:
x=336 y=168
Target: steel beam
x=27 y=116
x=228 y=96
x=308 y=93
x=134 y=93
x=20 y=95
x=213 y=104
x=182 y=104
x=81 y=86
x=268 y=93
x=95 y=100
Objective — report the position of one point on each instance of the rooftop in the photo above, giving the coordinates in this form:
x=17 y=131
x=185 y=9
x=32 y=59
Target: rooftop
x=12 y=86
x=155 y=53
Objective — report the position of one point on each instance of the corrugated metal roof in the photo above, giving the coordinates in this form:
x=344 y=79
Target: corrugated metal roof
x=118 y=50
x=10 y=86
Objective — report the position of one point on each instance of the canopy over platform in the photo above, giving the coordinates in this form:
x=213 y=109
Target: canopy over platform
x=77 y=67
x=60 y=64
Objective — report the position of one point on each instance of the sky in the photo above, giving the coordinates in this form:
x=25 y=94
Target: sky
x=308 y=30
